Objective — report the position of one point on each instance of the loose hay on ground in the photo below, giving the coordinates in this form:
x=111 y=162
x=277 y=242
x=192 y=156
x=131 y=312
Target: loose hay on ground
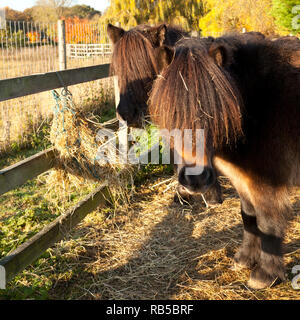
x=162 y=250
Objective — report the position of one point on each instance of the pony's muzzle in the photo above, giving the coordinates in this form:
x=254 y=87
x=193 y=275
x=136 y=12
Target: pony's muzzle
x=131 y=117
x=199 y=183
x=122 y=114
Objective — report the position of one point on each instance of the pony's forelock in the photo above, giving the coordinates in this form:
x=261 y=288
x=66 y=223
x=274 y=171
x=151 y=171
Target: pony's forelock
x=133 y=60
x=195 y=93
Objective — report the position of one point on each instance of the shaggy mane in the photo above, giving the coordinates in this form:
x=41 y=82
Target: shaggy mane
x=194 y=93
x=134 y=61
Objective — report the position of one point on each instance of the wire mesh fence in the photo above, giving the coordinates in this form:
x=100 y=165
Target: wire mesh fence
x=32 y=47
x=28 y=48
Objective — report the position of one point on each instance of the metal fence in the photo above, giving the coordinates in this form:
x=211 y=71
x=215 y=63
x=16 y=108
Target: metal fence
x=28 y=48
x=32 y=47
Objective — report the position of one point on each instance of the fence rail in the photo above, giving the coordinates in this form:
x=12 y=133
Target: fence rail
x=31 y=48
x=17 y=174
x=23 y=86
x=29 y=251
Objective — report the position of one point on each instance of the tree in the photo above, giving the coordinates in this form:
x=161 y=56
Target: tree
x=49 y=10
x=15 y=15
x=82 y=33
x=81 y=11
x=287 y=15
x=230 y=15
x=124 y=12
x=132 y=12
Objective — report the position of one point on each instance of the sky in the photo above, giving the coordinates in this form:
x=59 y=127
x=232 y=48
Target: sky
x=20 y=5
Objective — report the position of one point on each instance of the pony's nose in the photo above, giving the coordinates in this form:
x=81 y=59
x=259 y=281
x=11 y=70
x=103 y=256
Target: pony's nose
x=197 y=183
x=122 y=113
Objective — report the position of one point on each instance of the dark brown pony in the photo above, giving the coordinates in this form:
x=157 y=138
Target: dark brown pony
x=134 y=61
x=246 y=96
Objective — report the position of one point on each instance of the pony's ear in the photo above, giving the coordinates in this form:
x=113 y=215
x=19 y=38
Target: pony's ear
x=158 y=34
x=161 y=34
x=114 y=33
x=219 y=53
x=165 y=56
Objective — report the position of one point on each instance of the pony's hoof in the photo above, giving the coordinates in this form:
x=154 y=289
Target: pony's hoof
x=257 y=284
x=259 y=279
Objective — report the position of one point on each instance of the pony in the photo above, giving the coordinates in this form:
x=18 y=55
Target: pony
x=134 y=61
x=245 y=94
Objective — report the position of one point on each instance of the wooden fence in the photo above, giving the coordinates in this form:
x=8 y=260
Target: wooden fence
x=17 y=174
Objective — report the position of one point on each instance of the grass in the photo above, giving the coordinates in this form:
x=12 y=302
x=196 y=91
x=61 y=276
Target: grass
x=26 y=210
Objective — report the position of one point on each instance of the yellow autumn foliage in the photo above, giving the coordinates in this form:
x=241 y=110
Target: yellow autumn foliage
x=213 y=17
x=231 y=15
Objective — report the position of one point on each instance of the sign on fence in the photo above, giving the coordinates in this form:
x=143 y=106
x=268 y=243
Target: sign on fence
x=88 y=50
x=2 y=18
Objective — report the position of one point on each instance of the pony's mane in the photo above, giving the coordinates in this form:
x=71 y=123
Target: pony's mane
x=194 y=93
x=134 y=61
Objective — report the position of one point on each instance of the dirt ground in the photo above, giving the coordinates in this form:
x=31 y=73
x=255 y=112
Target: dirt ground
x=159 y=249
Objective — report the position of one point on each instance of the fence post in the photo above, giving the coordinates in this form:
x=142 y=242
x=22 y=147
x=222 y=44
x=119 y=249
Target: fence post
x=117 y=92
x=62 y=54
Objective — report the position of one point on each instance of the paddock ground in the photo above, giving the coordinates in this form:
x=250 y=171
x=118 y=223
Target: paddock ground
x=155 y=249
x=163 y=250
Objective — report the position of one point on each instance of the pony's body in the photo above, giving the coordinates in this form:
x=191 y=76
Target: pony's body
x=245 y=93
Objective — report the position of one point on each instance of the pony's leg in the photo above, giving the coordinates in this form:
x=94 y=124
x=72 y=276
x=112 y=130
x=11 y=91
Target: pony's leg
x=272 y=214
x=267 y=205
x=248 y=254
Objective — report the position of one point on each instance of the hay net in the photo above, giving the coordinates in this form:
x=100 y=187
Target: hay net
x=84 y=154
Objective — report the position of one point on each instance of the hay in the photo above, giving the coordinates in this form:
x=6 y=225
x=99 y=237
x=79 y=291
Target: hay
x=163 y=250
x=75 y=138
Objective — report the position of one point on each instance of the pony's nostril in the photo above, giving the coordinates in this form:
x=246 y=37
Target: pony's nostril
x=207 y=174
x=196 y=182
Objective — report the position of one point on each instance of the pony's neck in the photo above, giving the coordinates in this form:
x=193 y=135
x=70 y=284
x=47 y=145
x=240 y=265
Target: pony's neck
x=269 y=88
x=259 y=68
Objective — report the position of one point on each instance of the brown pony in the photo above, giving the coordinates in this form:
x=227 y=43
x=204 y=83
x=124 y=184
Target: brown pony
x=134 y=61
x=246 y=96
